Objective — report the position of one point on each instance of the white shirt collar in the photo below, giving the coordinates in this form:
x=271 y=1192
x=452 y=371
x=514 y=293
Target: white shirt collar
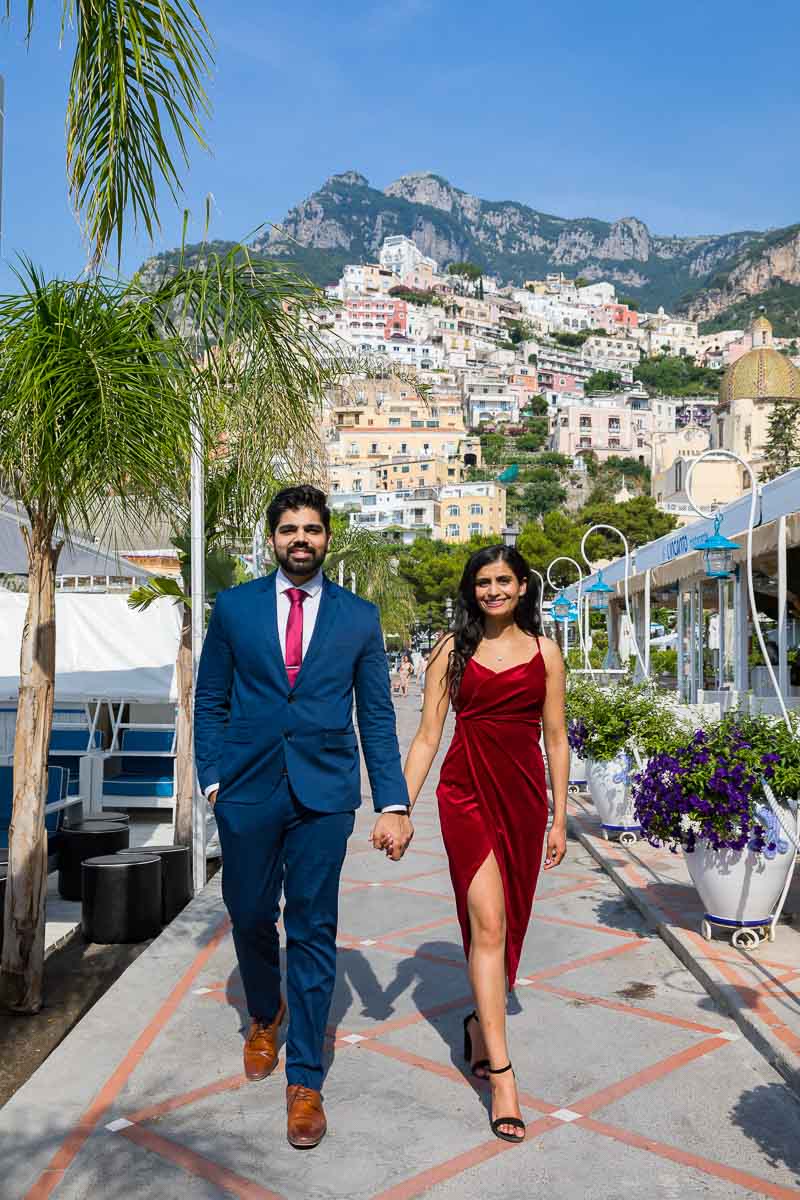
x=312 y=586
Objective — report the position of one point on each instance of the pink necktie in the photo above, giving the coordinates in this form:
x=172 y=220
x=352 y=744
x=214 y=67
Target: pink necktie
x=294 y=634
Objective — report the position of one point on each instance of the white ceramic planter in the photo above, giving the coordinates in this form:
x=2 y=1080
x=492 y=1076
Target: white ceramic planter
x=609 y=787
x=739 y=888
x=577 y=772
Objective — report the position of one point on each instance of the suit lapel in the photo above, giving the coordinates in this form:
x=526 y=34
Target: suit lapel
x=268 y=622
x=326 y=618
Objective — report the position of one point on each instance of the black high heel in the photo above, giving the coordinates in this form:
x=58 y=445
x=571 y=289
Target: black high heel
x=483 y=1063
x=515 y=1121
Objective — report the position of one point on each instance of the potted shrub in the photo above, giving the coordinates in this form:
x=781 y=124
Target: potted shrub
x=614 y=729
x=706 y=797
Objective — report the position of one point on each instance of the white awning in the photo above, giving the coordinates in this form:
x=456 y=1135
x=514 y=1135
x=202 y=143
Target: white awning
x=103 y=648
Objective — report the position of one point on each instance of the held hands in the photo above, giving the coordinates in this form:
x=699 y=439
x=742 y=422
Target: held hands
x=212 y=797
x=392 y=833
x=556 y=846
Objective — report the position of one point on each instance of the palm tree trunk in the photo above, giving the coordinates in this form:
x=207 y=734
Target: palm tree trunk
x=26 y=888
x=184 y=758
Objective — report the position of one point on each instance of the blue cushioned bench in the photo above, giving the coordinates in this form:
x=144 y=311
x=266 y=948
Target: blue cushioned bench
x=147 y=770
x=53 y=822
x=67 y=746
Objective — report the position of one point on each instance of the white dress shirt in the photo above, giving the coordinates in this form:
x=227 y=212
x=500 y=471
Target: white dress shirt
x=313 y=589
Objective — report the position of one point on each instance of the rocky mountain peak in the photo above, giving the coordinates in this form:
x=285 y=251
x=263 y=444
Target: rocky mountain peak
x=352 y=177
x=423 y=187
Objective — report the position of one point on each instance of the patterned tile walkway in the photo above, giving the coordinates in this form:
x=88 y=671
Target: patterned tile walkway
x=632 y=1080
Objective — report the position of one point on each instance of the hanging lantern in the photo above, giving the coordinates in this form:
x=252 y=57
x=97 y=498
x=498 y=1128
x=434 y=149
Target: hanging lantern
x=572 y=615
x=560 y=607
x=599 y=593
x=717 y=552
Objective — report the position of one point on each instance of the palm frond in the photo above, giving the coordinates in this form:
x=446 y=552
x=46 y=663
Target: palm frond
x=158 y=587
x=136 y=100
x=88 y=403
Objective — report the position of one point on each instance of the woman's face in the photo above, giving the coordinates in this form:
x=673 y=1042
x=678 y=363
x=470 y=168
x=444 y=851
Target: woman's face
x=497 y=590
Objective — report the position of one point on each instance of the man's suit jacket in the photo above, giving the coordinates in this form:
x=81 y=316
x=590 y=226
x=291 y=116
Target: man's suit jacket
x=251 y=728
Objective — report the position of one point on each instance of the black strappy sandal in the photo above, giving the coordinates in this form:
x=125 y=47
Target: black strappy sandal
x=514 y=1121
x=483 y=1063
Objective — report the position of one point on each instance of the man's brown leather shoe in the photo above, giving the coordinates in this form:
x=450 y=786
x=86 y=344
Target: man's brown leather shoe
x=306 y=1125
x=261 y=1046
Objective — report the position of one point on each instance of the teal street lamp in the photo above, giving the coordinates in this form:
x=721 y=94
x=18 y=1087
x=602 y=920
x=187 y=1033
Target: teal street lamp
x=598 y=594
x=572 y=615
x=717 y=552
x=560 y=607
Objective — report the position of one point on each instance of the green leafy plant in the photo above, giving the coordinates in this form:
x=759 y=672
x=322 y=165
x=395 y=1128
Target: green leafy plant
x=605 y=721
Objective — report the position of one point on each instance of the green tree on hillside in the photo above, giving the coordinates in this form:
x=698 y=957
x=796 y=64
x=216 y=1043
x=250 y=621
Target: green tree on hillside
x=603 y=381
x=639 y=519
x=520 y=331
x=493 y=448
x=542 y=496
x=537 y=406
x=535 y=436
x=671 y=375
x=782 y=447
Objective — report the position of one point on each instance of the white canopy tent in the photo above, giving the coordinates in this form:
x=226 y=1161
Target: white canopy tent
x=104 y=650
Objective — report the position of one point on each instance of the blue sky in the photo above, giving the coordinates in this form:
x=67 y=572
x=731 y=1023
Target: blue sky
x=682 y=114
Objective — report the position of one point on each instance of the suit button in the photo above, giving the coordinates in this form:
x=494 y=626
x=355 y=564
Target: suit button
x=290 y=697
x=288 y=737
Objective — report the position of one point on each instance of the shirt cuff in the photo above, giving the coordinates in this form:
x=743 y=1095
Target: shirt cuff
x=212 y=787
x=403 y=808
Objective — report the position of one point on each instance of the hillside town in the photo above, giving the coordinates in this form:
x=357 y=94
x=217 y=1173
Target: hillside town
x=447 y=362
x=399 y=602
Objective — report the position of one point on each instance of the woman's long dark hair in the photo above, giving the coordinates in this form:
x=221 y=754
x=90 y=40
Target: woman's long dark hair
x=468 y=623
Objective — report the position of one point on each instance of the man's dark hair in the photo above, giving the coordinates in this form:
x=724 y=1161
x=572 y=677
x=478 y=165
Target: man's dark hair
x=291 y=499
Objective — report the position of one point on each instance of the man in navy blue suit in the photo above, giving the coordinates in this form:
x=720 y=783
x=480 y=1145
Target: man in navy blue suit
x=278 y=759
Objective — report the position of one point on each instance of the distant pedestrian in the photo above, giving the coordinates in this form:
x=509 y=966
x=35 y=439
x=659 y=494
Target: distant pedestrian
x=421 y=675
x=404 y=672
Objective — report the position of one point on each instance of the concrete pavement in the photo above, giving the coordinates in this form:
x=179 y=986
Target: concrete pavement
x=633 y=1080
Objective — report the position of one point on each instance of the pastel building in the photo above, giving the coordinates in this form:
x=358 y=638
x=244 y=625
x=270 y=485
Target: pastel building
x=472 y=510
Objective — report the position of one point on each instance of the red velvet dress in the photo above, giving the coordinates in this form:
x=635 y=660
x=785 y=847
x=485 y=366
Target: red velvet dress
x=492 y=792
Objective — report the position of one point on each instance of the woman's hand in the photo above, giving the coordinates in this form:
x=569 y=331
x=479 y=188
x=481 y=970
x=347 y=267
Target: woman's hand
x=556 y=846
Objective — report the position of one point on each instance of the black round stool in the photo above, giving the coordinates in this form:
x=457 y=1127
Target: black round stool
x=3 y=856
x=116 y=818
x=79 y=842
x=121 y=898
x=176 y=876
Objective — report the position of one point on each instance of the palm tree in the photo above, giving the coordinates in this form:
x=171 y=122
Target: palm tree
x=136 y=102
x=367 y=557
x=99 y=385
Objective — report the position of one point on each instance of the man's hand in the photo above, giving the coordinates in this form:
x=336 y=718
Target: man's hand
x=392 y=833
x=556 y=846
x=212 y=797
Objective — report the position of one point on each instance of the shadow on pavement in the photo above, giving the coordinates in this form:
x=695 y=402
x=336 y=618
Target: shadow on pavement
x=770 y=1116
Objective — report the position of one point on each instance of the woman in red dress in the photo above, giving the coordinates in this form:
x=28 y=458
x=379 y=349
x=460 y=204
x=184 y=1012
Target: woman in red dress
x=506 y=684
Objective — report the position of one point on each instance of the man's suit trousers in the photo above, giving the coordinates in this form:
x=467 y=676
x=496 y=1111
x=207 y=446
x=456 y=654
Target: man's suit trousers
x=265 y=847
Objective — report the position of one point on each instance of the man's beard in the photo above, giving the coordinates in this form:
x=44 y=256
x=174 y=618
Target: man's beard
x=305 y=567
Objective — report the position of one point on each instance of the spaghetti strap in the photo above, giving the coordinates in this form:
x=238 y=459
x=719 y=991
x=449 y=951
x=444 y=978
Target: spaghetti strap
x=538 y=644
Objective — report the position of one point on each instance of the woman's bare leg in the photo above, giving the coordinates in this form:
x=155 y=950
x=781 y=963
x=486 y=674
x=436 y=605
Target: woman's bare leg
x=487 y=972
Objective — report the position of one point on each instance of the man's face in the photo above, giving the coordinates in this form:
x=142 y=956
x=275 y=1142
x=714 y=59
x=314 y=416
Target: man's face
x=300 y=542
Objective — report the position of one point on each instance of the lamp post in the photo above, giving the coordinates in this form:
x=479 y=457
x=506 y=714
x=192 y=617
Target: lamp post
x=600 y=590
x=510 y=533
x=561 y=608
